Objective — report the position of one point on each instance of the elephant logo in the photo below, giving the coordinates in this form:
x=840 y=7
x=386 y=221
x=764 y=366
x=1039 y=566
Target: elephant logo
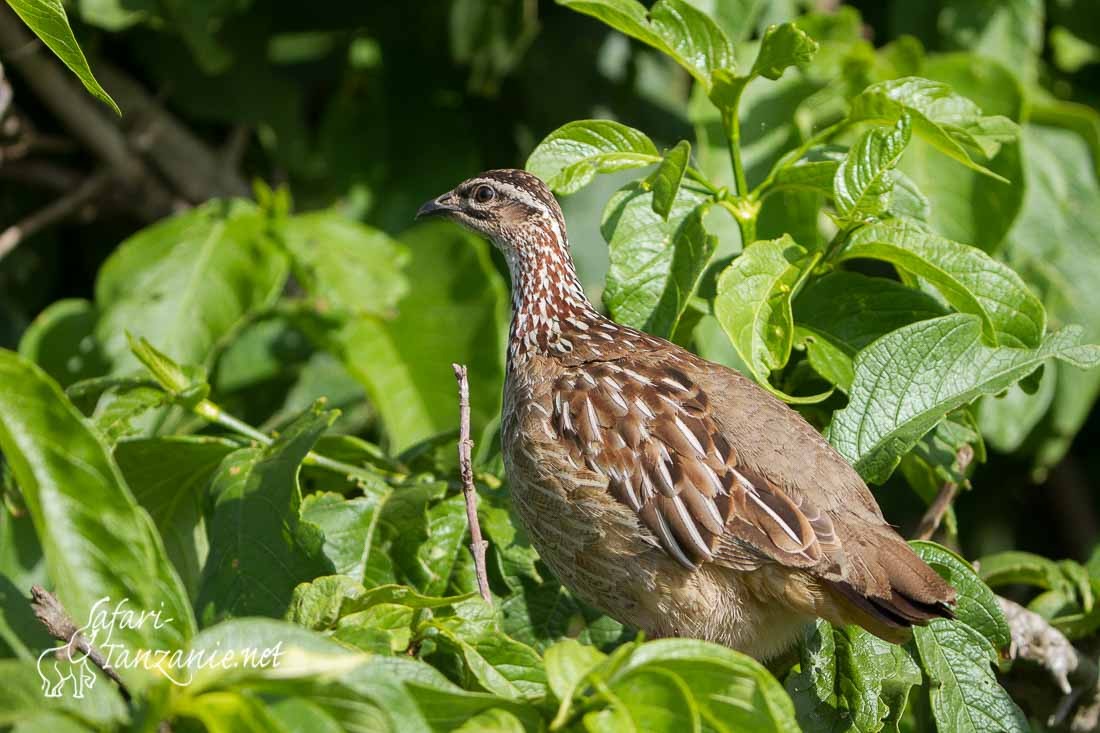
x=65 y=667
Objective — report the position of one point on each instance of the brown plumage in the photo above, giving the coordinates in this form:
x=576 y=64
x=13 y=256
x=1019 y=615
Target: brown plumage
x=668 y=491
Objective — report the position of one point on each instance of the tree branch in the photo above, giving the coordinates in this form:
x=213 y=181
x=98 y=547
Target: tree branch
x=54 y=212
x=933 y=516
x=81 y=115
x=190 y=165
x=465 y=446
x=60 y=626
x=1035 y=640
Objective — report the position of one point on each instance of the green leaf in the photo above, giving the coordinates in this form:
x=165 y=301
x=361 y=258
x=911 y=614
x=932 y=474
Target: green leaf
x=568 y=662
x=456 y=313
x=48 y=21
x=1010 y=31
x=654 y=700
x=543 y=612
x=665 y=181
x=500 y=664
x=185 y=282
x=949 y=122
x=570 y=157
x=906 y=381
x=732 y=691
x=977 y=607
x=1053 y=246
x=61 y=341
x=280 y=652
x=493 y=720
x=656 y=262
x=345 y=266
x=783 y=46
x=673 y=27
x=965 y=695
x=169 y=477
x=1023 y=568
x=864 y=180
x=970 y=280
x=349 y=527
x=319 y=604
x=754 y=301
x=968 y=206
x=97 y=541
x=21 y=700
x=840 y=314
x=850 y=680
x=259 y=548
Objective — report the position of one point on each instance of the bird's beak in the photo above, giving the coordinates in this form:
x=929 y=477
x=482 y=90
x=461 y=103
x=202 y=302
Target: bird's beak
x=443 y=205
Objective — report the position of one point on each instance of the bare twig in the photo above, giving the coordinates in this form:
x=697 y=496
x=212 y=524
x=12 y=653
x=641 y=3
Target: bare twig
x=933 y=516
x=465 y=446
x=60 y=626
x=1035 y=640
x=54 y=212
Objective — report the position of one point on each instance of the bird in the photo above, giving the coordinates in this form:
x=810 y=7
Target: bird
x=669 y=492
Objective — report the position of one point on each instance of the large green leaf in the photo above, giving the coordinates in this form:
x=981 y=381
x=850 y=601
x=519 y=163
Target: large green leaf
x=840 y=314
x=1009 y=31
x=183 y=283
x=97 y=541
x=169 y=477
x=673 y=27
x=345 y=266
x=849 y=680
x=656 y=261
x=349 y=527
x=952 y=124
x=968 y=206
x=48 y=21
x=500 y=664
x=456 y=313
x=259 y=547
x=864 y=180
x=970 y=280
x=906 y=381
x=965 y=695
x=61 y=341
x=754 y=301
x=732 y=691
x=570 y=157
x=1053 y=245
x=22 y=704
x=977 y=607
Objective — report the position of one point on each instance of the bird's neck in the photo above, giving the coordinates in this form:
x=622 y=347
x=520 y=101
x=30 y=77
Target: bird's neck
x=548 y=304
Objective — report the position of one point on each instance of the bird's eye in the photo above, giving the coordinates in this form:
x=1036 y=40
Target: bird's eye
x=484 y=194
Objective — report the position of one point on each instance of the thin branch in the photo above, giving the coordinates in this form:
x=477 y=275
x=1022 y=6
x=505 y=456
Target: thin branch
x=53 y=84
x=189 y=164
x=54 y=212
x=933 y=516
x=465 y=447
x=60 y=626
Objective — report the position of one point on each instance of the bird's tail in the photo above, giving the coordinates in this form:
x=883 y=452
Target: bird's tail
x=889 y=589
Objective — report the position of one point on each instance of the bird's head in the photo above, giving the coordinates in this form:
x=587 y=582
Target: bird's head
x=512 y=208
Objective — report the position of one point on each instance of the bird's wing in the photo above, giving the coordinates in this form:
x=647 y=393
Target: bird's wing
x=651 y=429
